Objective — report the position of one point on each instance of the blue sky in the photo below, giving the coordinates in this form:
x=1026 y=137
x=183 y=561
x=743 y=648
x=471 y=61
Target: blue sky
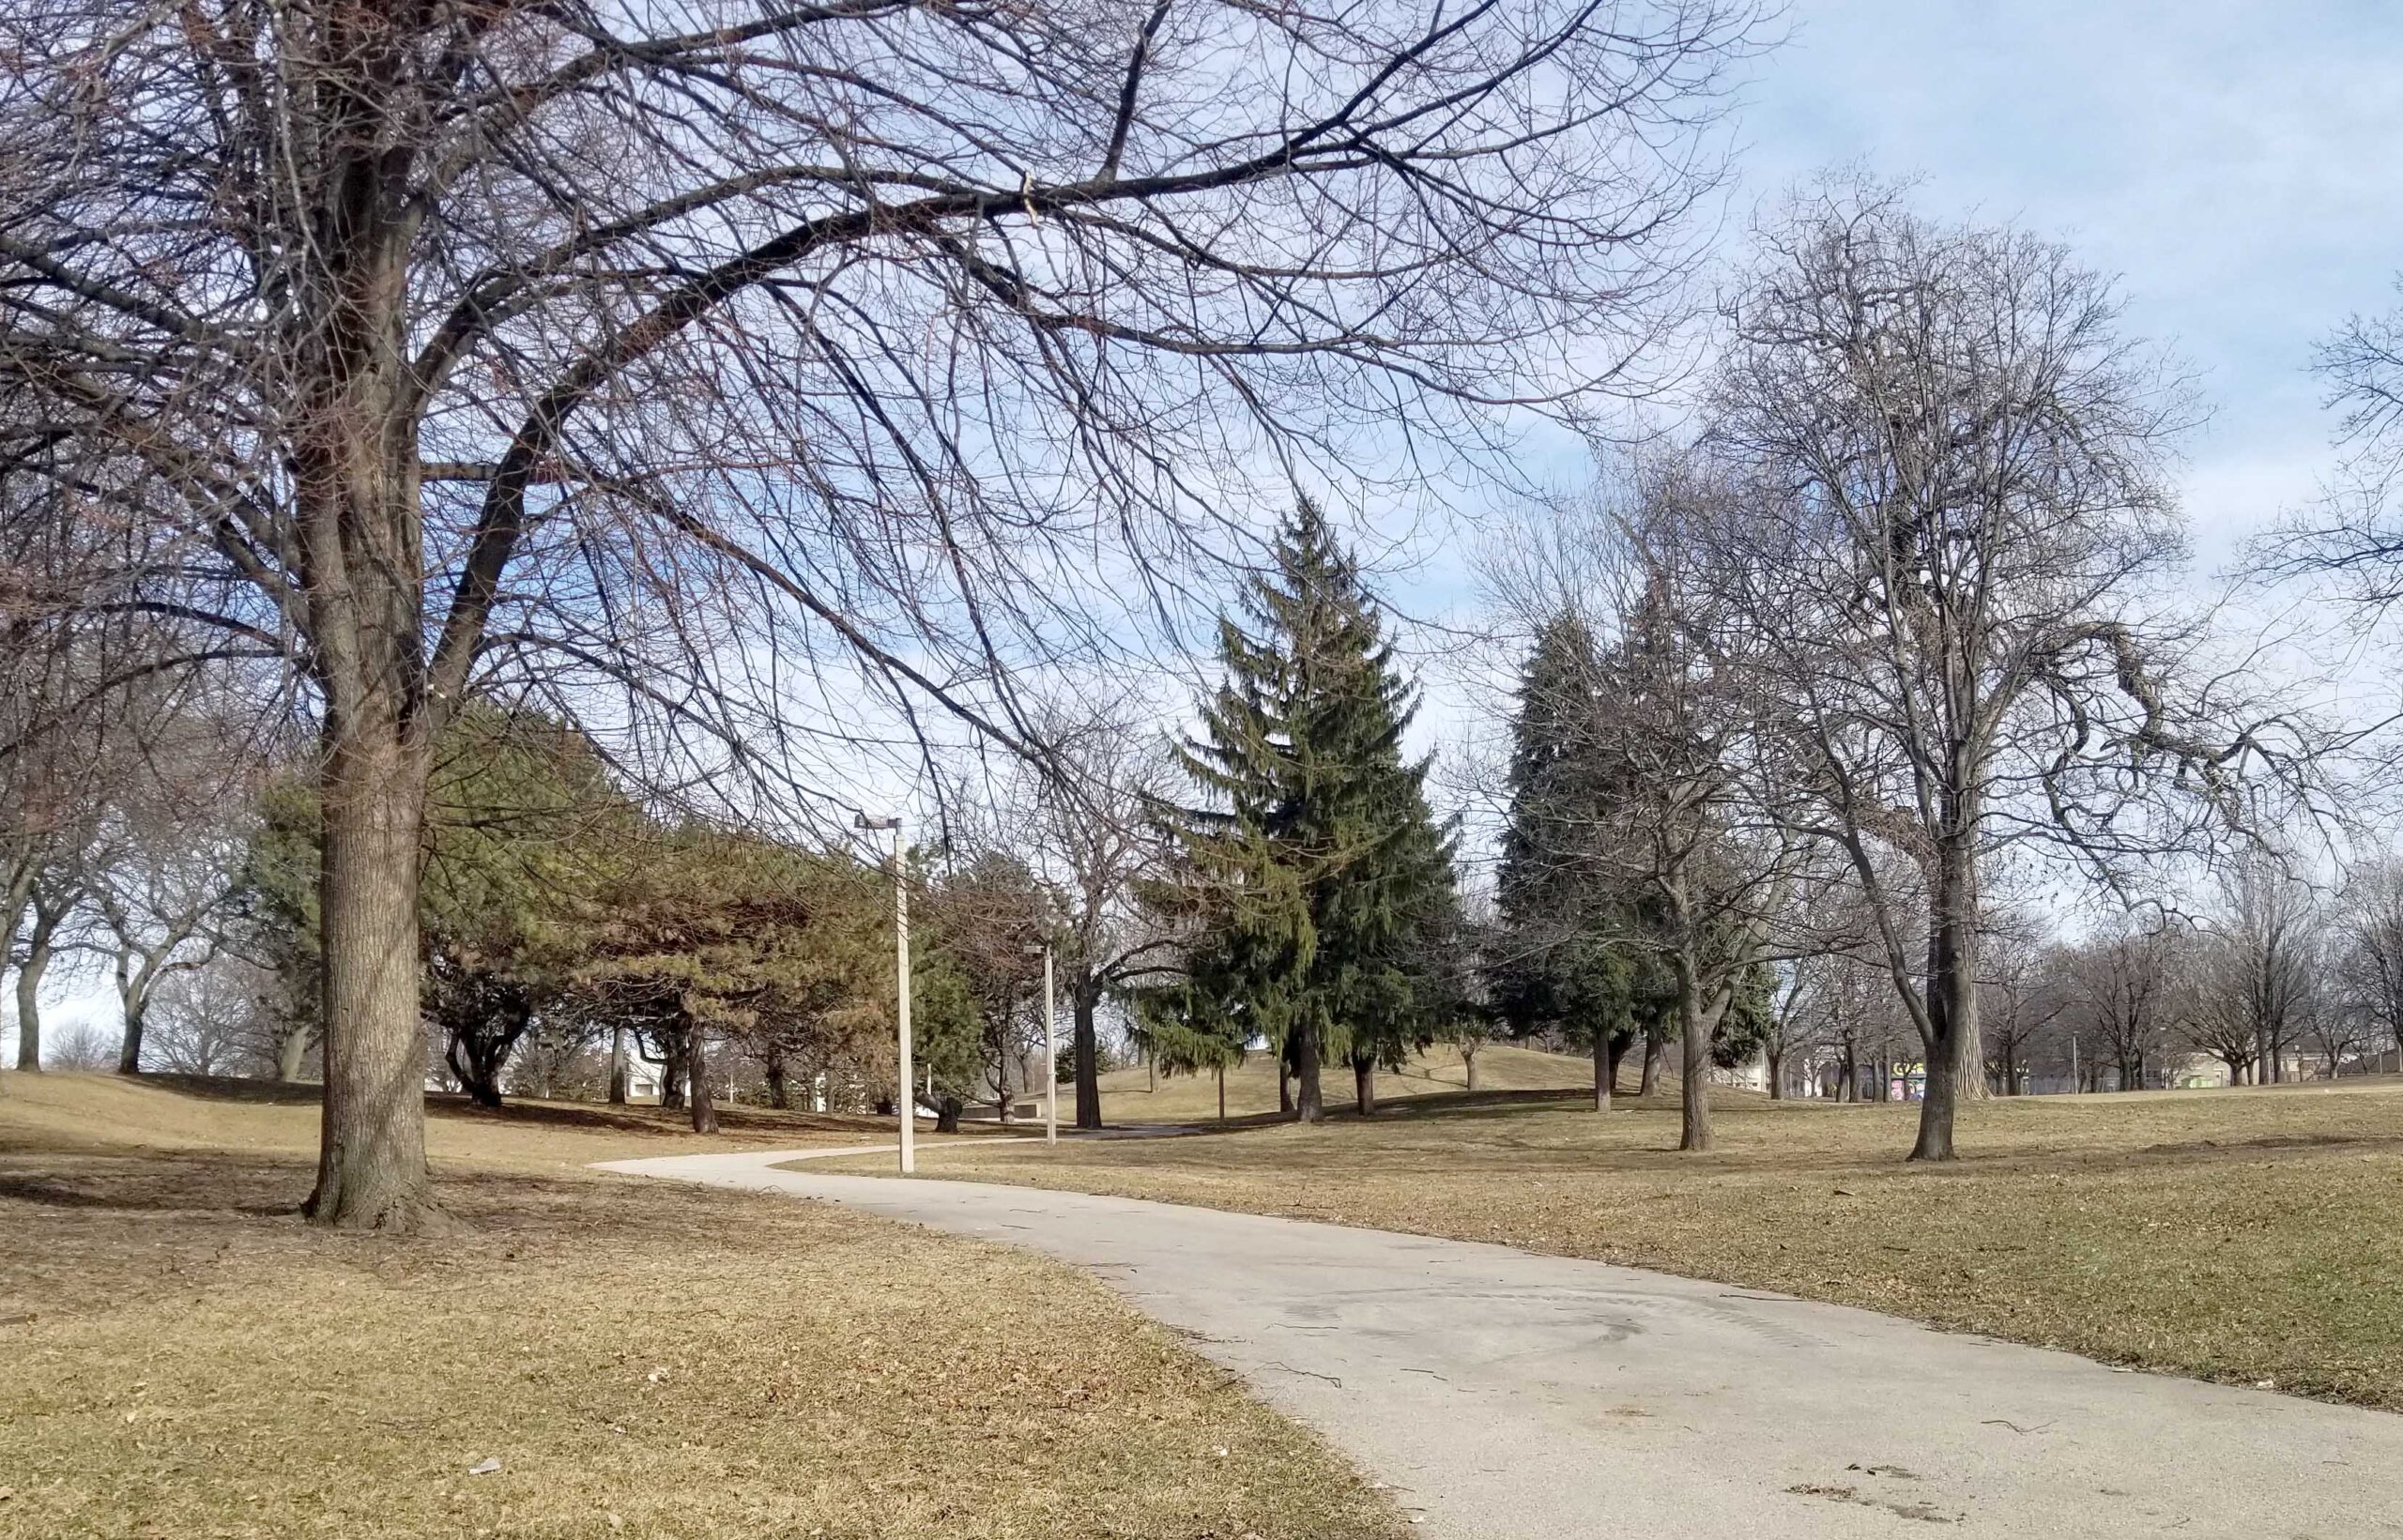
x=2236 y=164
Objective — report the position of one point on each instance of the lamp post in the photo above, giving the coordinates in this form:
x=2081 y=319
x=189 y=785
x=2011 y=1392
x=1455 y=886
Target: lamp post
x=1051 y=1052
x=909 y=1092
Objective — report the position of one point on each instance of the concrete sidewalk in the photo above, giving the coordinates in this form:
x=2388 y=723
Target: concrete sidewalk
x=1505 y=1395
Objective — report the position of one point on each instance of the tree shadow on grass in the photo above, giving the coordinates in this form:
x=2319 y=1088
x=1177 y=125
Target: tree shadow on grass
x=155 y=1183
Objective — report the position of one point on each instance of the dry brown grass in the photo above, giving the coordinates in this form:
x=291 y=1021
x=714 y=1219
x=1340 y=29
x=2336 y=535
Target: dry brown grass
x=186 y=1359
x=1134 y=1096
x=107 y=1112
x=2249 y=1236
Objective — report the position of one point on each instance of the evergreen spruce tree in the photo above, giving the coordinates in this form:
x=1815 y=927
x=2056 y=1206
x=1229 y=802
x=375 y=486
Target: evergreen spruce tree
x=1314 y=884
x=1560 y=962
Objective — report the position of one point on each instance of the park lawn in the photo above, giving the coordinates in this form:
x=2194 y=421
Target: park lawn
x=1137 y=1096
x=187 y=1359
x=107 y=1112
x=2251 y=1236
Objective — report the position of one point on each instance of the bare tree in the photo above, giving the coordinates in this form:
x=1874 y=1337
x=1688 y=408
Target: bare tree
x=2337 y=1033
x=168 y=861
x=437 y=348
x=2122 y=986
x=1955 y=519
x=84 y=1046
x=1670 y=724
x=2353 y=538
x=54 y=891
x=2369 y=948
x=1784 y=1036
x=2262 y=970
x=2020 y=996
x=215 y=1018
x=1844 y=1010
x=1094 y=837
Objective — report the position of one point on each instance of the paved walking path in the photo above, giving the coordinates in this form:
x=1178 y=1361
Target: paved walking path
x=1510 y=1397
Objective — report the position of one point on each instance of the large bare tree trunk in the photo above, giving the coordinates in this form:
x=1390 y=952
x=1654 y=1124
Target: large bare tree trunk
x=1605 y=1069
x=29 y=976
x=1954 y=1055
x=1656 y=1058
x=134 y=993
x=362 y=564
x=1776 y=1065
x=671 y=1070
x=1694 y=1093
x=36 y=962
x=618 y=1066
x=1364 y=1087
x=1468 y=1064
x=128 y=1053
x=1309 y=1107
x=476 y=1065
x=1087 y=1055
x=371 y=1168
x=696 y=1081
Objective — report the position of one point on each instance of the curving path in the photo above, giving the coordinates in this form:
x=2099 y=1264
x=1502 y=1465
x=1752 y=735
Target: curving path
x=1510 y=1397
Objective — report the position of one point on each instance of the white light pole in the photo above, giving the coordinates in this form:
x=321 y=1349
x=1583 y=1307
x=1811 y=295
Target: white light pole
x=1051 y=1052
x=1050 y=1057
x=907 y=1093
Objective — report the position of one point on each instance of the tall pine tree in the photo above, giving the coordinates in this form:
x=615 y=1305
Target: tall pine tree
x=1314 y=884
x=1560 y=962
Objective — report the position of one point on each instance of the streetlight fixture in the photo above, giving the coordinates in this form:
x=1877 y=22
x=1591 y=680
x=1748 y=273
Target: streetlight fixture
x=1051 y=1052
x=909 y=1094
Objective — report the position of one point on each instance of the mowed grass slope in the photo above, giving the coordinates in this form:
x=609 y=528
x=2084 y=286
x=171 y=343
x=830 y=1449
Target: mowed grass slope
x=1134 y=1096
x=186 y=1359
x=106 y=1112
x=2251 y=1236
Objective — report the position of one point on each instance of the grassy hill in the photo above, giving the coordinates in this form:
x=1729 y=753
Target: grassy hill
x=68 y=1111
x=1131 y=1096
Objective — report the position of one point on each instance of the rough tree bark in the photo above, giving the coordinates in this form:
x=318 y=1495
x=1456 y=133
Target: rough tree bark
x=1656 y=1058
x=370 y=1169
x=617 y=1066
x=1694 y=1028
x=1310 y=1106
x=128 y=1051
x=1087 y=1055
x=696 y=1071
x=1954 y=1055
x=1364 y=1087
x=671 y=1070
x=40 y=943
